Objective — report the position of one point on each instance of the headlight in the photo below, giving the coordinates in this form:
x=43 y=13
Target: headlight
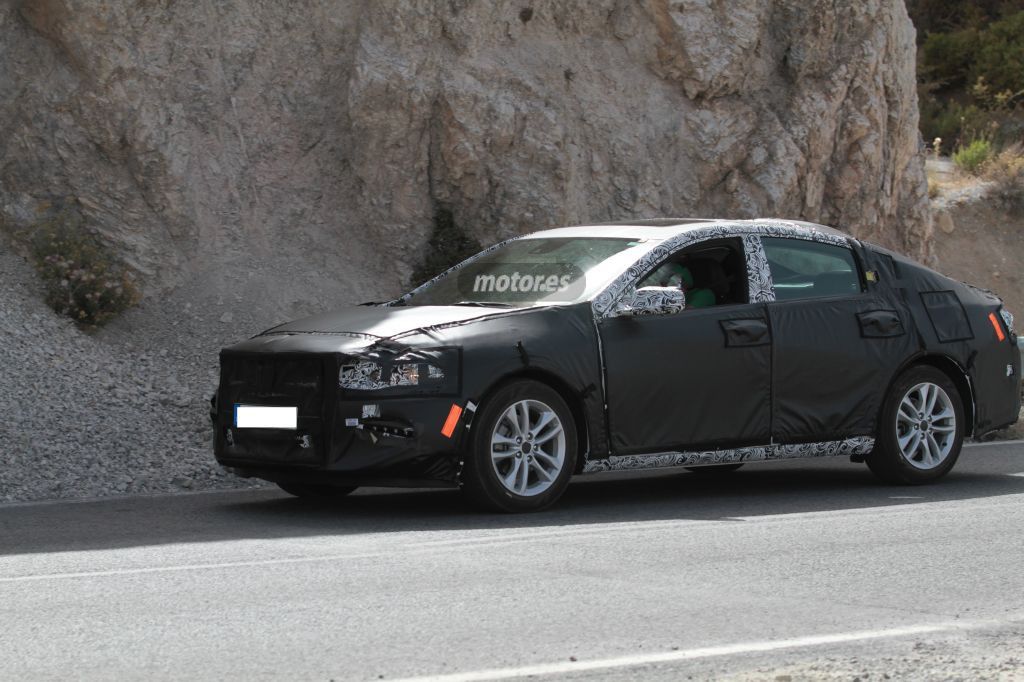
x=408 y=373
x=433 y=370
x=362 y=376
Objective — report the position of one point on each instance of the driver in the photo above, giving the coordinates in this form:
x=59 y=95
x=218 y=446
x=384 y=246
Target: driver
x=673 y=274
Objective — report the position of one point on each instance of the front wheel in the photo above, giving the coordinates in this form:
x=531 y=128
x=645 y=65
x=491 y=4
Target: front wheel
x=523 y=449
x=921 y=429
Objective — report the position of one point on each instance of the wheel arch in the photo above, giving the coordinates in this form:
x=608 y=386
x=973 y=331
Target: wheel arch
x=572 y=398
x=954 y=372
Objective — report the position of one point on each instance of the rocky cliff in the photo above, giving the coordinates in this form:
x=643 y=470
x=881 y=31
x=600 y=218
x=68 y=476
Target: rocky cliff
x=319 y=137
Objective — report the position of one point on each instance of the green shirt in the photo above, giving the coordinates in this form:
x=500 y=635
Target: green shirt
x=699 y=298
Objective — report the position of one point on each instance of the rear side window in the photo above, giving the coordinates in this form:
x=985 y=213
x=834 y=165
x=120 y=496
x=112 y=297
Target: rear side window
x=803 y=269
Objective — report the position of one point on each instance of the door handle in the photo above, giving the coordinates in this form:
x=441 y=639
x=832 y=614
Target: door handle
x=748 y=332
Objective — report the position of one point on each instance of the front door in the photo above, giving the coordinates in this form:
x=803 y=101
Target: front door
x=694 y=379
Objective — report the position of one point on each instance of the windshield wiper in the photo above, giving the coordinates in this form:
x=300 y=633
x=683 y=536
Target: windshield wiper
x=486 y=304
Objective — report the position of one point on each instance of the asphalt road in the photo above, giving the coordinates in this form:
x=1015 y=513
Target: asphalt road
x=798 y=569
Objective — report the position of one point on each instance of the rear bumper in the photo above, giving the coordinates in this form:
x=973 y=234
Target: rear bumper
x=996 y=378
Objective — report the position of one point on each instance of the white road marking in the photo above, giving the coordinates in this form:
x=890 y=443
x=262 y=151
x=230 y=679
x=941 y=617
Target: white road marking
x=496 y=538
x=1016 y=441
x=185 y=567
x=129 y=497
x=567 y=667
x=499 y=537
x=1020 y=474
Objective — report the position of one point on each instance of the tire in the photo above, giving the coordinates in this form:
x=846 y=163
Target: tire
x=715 y=469
x=923 y=400
x=316 y=491
x=499 y=481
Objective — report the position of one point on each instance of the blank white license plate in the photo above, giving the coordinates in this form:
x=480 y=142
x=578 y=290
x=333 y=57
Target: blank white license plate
x=262 y=417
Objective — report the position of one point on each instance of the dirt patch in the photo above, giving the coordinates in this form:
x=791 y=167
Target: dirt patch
x=979 y=242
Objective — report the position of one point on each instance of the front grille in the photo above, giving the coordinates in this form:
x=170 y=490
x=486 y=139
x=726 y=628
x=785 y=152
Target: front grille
x=273 y=379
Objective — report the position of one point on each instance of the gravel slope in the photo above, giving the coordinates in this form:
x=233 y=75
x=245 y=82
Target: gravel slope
x=120 y=412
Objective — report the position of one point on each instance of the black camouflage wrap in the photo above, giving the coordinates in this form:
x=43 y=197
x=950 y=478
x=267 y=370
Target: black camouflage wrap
x=731 y=383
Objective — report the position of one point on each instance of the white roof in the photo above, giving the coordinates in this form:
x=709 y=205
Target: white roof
x=668 y=227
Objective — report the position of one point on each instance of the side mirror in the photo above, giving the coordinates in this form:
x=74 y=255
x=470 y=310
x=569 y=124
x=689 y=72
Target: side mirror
x=649 y=301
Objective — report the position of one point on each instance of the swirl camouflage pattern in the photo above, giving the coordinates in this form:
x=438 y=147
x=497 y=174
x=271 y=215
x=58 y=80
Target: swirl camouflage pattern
x=849 y=446
x=758 y=272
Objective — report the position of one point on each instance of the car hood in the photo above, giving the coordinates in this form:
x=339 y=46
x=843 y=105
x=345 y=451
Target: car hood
x=382 y=321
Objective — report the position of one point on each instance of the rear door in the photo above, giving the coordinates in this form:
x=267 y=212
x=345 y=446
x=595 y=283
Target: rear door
x=837 y=342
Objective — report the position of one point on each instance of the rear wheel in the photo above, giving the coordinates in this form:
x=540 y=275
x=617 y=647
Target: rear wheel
x=921 y=429
x=316 y=491
x=523 y=449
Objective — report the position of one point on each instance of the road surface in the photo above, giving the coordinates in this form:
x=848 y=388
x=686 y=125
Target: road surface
x=793 y=570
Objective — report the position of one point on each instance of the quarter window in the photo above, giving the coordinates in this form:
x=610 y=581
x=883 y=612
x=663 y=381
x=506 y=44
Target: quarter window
x=804 y=269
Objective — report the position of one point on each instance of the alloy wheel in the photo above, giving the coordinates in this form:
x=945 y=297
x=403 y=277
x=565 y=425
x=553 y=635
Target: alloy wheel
x=925 y=426
x=528 y=447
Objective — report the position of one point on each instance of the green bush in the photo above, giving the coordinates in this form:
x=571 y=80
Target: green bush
x=949 y=119
x=970 y=69
x=934 y=16
x=999 y=56
x=947 y=57
x=82 y=279
x=971 y=158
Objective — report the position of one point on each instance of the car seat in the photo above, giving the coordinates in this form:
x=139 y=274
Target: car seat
x=709 y=274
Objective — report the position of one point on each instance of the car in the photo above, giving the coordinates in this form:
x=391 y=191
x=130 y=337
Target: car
x=703 y=344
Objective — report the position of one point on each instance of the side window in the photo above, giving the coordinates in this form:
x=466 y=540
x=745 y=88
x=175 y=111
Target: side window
x=711 y=273
x=804 y=269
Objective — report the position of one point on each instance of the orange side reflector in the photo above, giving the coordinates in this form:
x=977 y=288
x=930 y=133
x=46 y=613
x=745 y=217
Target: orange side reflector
x=449 y=424
x=995 y=325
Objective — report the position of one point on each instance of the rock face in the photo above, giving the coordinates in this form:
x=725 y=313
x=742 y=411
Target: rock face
x=321 y=136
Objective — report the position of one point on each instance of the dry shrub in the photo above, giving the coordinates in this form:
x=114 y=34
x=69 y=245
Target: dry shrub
x=83 y=280
x=1006 y=170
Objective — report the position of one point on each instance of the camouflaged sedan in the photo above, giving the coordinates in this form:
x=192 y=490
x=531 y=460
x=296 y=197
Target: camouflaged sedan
x=705 y=344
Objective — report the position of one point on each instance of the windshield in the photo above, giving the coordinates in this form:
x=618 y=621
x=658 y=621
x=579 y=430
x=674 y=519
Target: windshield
x=529 y=271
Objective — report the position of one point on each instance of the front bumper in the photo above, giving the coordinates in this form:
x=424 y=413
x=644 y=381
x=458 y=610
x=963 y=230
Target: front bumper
x=340 y=437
